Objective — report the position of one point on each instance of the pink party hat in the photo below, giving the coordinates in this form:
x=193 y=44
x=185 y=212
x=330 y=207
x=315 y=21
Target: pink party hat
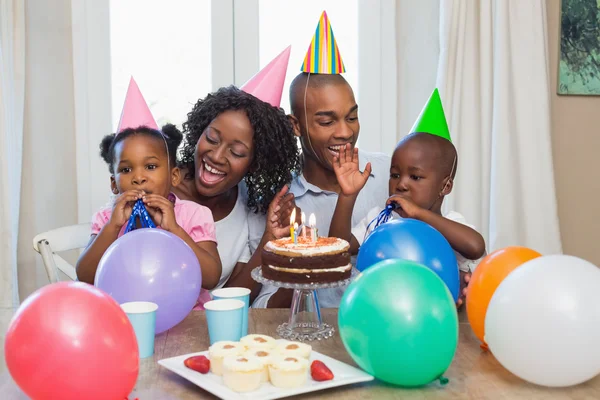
x=267 y=84
x=135 y=110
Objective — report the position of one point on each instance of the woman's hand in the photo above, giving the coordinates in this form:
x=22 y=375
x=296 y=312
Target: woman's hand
x=279 y=214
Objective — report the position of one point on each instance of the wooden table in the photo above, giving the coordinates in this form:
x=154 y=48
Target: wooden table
x=473 y=374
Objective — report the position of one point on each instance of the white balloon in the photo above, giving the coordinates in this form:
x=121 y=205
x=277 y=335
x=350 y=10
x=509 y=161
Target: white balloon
x=543 y=322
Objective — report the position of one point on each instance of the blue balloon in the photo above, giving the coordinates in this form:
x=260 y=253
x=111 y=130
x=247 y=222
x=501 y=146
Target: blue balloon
x=414 y=240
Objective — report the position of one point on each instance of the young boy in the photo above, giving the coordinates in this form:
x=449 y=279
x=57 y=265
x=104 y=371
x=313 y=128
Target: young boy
x=421 y=174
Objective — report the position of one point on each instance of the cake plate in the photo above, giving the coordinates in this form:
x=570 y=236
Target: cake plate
x=305 y=322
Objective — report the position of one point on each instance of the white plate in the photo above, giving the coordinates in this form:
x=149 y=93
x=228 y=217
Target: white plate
x=344 y=374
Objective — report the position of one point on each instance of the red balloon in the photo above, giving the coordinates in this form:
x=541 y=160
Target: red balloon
x=71 y=340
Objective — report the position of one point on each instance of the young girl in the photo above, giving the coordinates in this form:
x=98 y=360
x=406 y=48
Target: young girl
x=142 y=163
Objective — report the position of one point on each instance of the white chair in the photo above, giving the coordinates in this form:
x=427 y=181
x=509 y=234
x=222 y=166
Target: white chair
x=62 y=239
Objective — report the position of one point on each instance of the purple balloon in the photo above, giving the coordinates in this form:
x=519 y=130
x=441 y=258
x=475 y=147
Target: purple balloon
x=152 y=265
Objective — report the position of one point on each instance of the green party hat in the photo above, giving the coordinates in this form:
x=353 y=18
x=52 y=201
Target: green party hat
x=432 y=119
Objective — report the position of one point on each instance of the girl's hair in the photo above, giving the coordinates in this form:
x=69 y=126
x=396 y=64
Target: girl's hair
x=170 y=133
x=276 y=153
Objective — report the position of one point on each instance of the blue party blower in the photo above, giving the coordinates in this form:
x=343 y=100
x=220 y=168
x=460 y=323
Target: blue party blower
x=139 y=211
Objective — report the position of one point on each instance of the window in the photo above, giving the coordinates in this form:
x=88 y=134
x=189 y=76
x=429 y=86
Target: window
x=180 y=50
x=166 y=47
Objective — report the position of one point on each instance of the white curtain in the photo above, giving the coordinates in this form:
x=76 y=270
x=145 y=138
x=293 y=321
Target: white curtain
x=12 y=94
x=49 y=177
x=493 y=79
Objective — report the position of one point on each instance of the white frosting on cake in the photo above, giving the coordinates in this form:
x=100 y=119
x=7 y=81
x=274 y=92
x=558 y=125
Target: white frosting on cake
x=289 y=363
x=305 y=247
x=310 y=271
x=293 y=349
x=242 y=363
x=255 y=341
x=225 y=348
x=263 y=355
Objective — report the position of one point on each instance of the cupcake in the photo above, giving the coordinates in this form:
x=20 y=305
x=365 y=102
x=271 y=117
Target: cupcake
x=258 y=342
x=220 y=350
x=295 y=349
x=264 y=356
x=242 y=373
x=288 y=372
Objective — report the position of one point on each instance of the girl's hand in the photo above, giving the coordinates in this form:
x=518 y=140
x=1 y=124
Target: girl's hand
x=123 y=206
x=279 y=212
x=162 y=211
x=348 y=174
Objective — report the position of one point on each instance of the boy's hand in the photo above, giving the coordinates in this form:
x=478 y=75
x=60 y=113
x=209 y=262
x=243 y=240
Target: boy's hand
x=465 y=278
x=279 y=213
x=406 y=207
x=348 y=174
x=162 y=211
x=123 y=207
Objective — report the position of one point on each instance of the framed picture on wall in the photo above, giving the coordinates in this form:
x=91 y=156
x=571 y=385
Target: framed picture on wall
x=579 y=64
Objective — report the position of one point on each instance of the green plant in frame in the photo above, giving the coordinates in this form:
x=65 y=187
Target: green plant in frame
x=579 y=69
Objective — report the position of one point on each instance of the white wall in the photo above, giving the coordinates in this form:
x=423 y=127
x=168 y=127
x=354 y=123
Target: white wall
x=49 y=192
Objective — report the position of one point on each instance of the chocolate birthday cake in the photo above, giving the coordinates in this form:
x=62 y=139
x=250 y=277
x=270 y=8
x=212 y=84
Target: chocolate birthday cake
x=326 y=260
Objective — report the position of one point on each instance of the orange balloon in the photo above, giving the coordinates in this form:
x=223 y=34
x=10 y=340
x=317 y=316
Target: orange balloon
x=488 y=275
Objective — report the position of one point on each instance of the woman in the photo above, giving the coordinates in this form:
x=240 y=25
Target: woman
x=239 y=154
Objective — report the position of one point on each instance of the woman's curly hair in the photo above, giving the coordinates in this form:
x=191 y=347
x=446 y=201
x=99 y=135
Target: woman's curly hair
x=276 y=153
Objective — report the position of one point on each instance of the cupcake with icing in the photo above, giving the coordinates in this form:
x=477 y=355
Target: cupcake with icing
x=296 y=349
x=264 y=356
x=219 y=350
x=288 y=372
x=242 y=373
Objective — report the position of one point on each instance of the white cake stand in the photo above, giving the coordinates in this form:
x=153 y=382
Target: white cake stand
x=305 y=322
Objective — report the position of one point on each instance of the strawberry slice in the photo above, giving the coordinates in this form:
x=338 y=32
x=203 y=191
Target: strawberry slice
x=198 y=363
x=320 y=372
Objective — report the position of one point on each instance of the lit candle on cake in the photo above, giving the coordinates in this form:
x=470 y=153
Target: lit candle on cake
x=292 y=222
x=303 y=225
x=312 y=221
x=295 y=233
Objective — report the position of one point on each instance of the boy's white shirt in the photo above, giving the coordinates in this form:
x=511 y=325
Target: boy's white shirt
x=360 y=231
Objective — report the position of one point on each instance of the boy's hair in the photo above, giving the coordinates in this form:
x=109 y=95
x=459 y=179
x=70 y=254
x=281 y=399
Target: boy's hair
x=170 y=133
x=276 y=153
x=440 y=148
x=303 y=80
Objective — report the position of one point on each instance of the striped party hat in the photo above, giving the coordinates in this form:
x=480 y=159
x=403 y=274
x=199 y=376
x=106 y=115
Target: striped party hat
x=323 y=55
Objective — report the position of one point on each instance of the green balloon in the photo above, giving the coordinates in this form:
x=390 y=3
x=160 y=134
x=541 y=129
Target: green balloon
x=398 y=322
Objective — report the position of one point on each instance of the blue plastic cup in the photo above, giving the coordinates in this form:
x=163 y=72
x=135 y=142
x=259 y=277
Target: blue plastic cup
x=237 y=293
x=224 y=318
x=142 y=315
